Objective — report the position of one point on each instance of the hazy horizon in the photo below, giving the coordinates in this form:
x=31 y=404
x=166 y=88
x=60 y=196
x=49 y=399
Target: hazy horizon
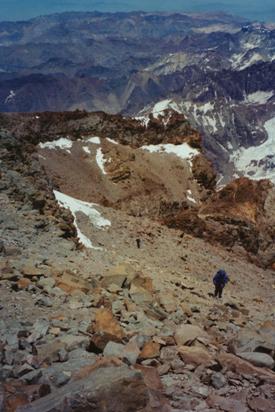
x=250 y=9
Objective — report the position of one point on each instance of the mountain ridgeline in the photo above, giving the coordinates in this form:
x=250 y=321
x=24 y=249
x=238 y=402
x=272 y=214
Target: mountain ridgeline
x=218 y=69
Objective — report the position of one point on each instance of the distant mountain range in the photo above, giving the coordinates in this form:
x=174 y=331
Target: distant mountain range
x=216 y=69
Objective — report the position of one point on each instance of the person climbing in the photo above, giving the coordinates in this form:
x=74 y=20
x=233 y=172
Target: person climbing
x=220 y=280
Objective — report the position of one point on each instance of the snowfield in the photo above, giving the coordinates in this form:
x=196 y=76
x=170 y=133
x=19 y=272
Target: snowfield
x=88 y=209
x=160 y=107
x=258 y=162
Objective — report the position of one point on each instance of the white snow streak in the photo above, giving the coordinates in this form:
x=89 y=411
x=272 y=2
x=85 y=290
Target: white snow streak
x=190 y=196
x=10 y=97
x=100 y=160
x=62 y=143
x=76 y=206
x=111 y=140
x=86 y=150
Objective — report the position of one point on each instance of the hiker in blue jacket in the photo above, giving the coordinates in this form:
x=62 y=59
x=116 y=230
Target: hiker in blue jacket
x=220 y=280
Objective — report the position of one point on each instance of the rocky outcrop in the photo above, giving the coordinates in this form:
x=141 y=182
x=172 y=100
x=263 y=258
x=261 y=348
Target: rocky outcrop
x=234 y=215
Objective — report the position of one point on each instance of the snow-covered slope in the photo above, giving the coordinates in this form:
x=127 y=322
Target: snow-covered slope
x=88 y=209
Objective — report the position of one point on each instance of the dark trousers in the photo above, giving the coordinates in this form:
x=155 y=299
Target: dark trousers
x=218 y=290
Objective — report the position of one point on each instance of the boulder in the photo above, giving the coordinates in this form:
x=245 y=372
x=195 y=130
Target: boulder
x=158 y=401
x=186 y=334
x=261 y=404
x=105 y=323
x=195 y=355
x=258 y=359
x=241 y=366
x=105 y=328
x=249 y=341
x=112 y=389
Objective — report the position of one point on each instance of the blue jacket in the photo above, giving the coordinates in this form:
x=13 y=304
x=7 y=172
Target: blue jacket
x=221 y=278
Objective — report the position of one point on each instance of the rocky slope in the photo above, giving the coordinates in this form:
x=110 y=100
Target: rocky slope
x=87 y=316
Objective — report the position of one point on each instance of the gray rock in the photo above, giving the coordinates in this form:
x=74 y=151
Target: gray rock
x=63 y=355
x=46 y=283
x=23 y=370
x=32 y=377
x=9 y=356
x=12 y=340
x=62 y=378
x=40 y=329
x=6 y=372
x=258 y=359
x=218 y=380
x=44 y=301
x=113 y=349
x=72 y=342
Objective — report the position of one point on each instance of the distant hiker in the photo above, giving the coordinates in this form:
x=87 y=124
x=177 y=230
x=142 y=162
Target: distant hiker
x=138 y=243
x=220 y=280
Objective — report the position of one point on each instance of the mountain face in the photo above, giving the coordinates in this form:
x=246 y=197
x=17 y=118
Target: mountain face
x=155 y=170
x=219 y=71
x=111 y=231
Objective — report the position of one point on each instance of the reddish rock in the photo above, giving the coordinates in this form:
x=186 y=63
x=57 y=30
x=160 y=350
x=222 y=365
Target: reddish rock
x=105 y=328
x=150 y=350
x=23 y=283
x=158 y=402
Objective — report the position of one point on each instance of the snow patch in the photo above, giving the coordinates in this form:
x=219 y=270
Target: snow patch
x=88 y=209
x=144 y=120
x=100 y=160
x=86 y=150
x=160 y=107
x=10 y=97
x=184 y=151
x=94 y=140
x=62 y=143
x=259 y=97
